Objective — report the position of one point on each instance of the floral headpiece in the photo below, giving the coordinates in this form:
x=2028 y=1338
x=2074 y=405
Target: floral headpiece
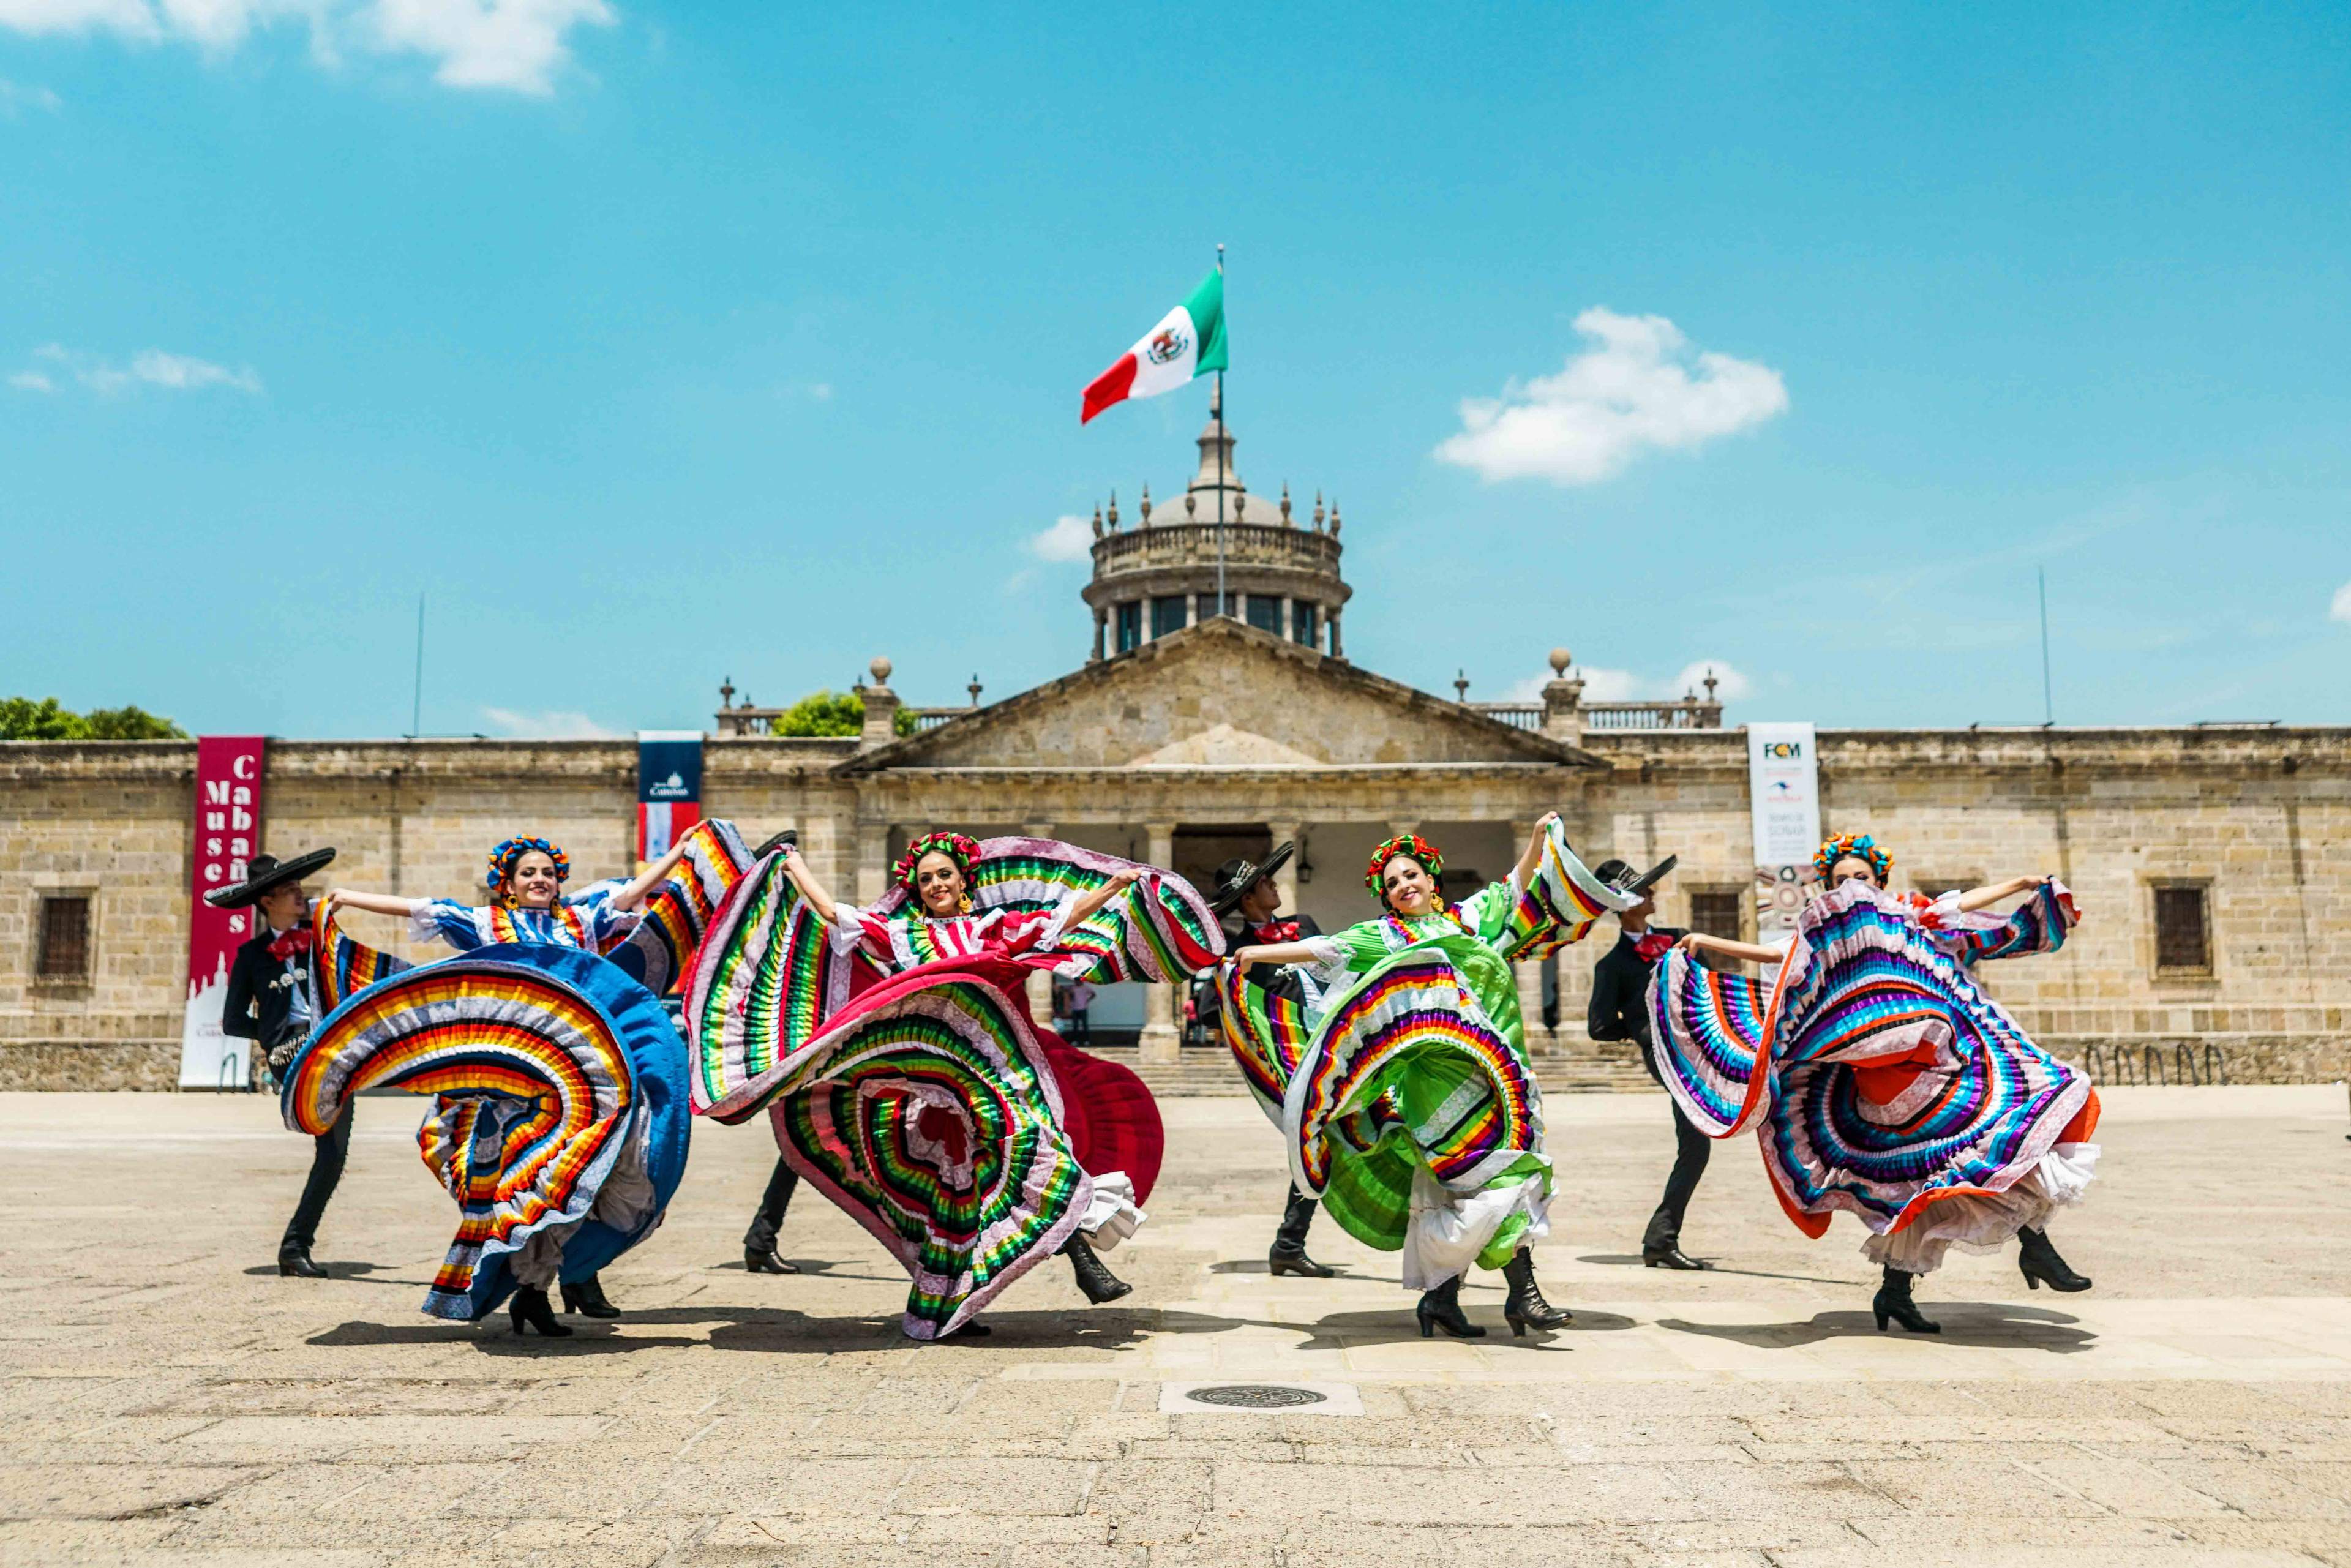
x=1411 y=844
x=1852 y=846
x=502 y=859
x=963 y=851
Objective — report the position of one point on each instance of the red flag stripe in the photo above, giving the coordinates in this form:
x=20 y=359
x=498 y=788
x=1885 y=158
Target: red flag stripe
x=1111 y=386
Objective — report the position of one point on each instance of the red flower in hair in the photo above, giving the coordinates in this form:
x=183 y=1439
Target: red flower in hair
x=1411 y=844
x=963 y=851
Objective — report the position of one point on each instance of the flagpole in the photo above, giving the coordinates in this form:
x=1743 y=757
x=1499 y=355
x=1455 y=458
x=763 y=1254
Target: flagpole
x=1224 y=603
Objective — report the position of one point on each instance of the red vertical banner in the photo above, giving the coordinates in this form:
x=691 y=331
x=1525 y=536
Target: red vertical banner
x=228 y=834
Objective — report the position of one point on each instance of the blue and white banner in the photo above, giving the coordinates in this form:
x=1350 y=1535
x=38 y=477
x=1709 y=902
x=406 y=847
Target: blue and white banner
x=669 y=789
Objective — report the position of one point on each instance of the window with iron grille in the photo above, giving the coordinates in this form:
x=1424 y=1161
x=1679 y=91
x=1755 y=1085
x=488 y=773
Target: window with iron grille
x=1718 y=911
x=1265 y=612
x=2183 y=936
x=64 y=938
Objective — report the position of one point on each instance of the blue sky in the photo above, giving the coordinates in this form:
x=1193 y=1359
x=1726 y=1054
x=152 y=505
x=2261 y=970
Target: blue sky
x=659 y=343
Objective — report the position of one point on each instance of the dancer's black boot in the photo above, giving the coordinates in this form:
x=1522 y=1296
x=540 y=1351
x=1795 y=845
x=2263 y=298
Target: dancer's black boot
x=1525 y=1308
x=587 y=1296
x=2042 y=1265
x=530 y=1309
x=1094 y=1277
x=1441 y=1309
x=1893 y=1301
x=1289 y=1254
x=766 y=1261
x=296 y=1260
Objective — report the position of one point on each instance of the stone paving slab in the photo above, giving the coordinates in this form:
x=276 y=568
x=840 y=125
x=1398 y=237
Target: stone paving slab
x=165 y=1399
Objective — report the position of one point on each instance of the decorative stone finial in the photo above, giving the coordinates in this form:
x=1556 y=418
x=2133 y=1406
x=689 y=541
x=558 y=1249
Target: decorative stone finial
x=880 y=670
x=1285 y=506
x=1318 y=512
x=1147 y=502
x=1710 y=682
x=1461 y=685
x=1191 y=504
x=974 y=688
x=1098 y=528
x=1113 y=511
x=1560 y=660
x=726 y=692
x=1334 y=516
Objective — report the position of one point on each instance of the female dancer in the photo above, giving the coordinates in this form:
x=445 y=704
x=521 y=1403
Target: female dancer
x=904 y=1075
x=1411 y=1110
x=1879 y=1077
x=559 y=1125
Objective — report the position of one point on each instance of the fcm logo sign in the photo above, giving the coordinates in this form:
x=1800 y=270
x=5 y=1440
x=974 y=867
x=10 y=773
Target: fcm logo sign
x=1784 y=750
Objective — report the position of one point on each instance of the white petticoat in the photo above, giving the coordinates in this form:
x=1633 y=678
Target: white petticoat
x=623 y=1202
x=1111 y=1216
x=1984 y=1222
x=1448 y=1230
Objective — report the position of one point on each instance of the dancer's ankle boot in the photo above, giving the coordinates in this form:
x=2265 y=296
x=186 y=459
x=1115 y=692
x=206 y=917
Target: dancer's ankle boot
x=1289 y=1254
x=1094 y=1277
x=295 y=1260
x=2042 y=1265
x=766 y=1261
x=1441 y=1309
x=1525 y=1308
x=587 y=1296
x=1893 y=1301
x=530 y=1309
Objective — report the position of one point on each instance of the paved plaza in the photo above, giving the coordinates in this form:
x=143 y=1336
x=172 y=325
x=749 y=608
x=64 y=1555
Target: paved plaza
x=169 y=1399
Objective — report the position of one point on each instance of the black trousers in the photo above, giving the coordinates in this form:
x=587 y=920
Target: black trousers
x=1691 y=1148
x=769 y=1221
x=327 y=1155
x=1081 y=1031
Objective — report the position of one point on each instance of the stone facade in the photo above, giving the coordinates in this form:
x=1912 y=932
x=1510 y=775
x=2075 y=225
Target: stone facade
x=1222 y=735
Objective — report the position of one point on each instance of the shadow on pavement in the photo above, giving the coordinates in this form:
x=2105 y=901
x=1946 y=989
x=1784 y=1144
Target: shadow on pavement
x=1991 y=1323
x=350 y=1273
x=1393 y=1327
x=1633 y=1260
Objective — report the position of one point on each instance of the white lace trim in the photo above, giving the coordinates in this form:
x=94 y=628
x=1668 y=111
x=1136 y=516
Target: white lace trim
x=1448 y=1230
x=1111 y=1216
x=1986 y=1222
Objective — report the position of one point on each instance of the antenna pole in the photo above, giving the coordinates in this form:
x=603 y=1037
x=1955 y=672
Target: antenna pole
x=1224 y=603
x=2048 y=702
x=416 y=714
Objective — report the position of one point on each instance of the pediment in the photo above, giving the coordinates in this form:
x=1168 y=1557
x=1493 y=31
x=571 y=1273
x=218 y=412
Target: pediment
x=1220 y=694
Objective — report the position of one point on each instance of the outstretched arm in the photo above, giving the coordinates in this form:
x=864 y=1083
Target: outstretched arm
x=634 y=892
x=1275 y=953
x=373 y=903
x=811 y=888
x=1698 y=942
x=1977 y=898
x=1532 y=854
x=1087 y=904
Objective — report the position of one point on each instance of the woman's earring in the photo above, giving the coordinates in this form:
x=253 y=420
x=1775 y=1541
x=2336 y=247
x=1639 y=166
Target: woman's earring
x=963 y=904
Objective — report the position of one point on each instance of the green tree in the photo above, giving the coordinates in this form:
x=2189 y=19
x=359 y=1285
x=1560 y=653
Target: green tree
x=832 y=713
x=22 y=718
x=132 y=722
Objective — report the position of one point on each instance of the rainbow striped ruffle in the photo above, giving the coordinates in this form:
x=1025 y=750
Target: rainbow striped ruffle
x=678 y=913
x=931 y=1115
x=1268 y=1033
x=1559 y=902
x=1406 y=1072
x=1878 y=1075
x=345 y=966
x=552 y=1069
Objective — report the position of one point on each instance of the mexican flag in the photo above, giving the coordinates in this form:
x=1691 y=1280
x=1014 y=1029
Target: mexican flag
x=1188 y=341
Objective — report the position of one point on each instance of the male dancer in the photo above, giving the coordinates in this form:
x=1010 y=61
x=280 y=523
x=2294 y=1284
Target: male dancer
x=1245 y=893
x=271 y=988
x=1620 y=1011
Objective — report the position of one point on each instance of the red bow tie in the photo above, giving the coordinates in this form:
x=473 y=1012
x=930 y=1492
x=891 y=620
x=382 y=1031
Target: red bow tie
x=1652 y=946
x=294 y=944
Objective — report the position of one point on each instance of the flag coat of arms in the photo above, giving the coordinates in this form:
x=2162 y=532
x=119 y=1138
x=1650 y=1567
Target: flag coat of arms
x=1187 y=342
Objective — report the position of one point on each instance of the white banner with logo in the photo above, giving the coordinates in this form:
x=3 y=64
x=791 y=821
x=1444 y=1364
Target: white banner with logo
x=1784 y=802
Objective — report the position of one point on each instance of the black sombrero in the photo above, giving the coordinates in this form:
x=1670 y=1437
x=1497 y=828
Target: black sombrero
x=1618 y=874
x=263 y=873
x=1238 y=875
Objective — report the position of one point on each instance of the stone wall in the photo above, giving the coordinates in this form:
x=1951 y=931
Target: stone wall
x=2262 y=816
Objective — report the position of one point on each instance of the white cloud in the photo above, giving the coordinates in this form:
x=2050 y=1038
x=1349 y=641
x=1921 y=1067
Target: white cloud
x=16 y=97
x=516 y=46
x=1071 y=537
x=149 y=367
x=32 y=382
x=554 y=723
x=2341 y=609
x=1638 y=387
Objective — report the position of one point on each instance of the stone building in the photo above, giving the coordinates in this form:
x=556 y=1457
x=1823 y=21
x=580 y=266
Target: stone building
x=2210 y=860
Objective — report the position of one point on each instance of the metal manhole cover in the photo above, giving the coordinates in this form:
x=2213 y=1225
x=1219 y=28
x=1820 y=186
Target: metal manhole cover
x=1255 y=1396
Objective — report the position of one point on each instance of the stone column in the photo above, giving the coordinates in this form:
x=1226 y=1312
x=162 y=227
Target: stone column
x=1285 y=881
x=872 y=862
x=1562 y=701
x=1101 y=634
x=1163 y=1035
x=881 y=708
x=1529 y=974
x=1337 y=652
